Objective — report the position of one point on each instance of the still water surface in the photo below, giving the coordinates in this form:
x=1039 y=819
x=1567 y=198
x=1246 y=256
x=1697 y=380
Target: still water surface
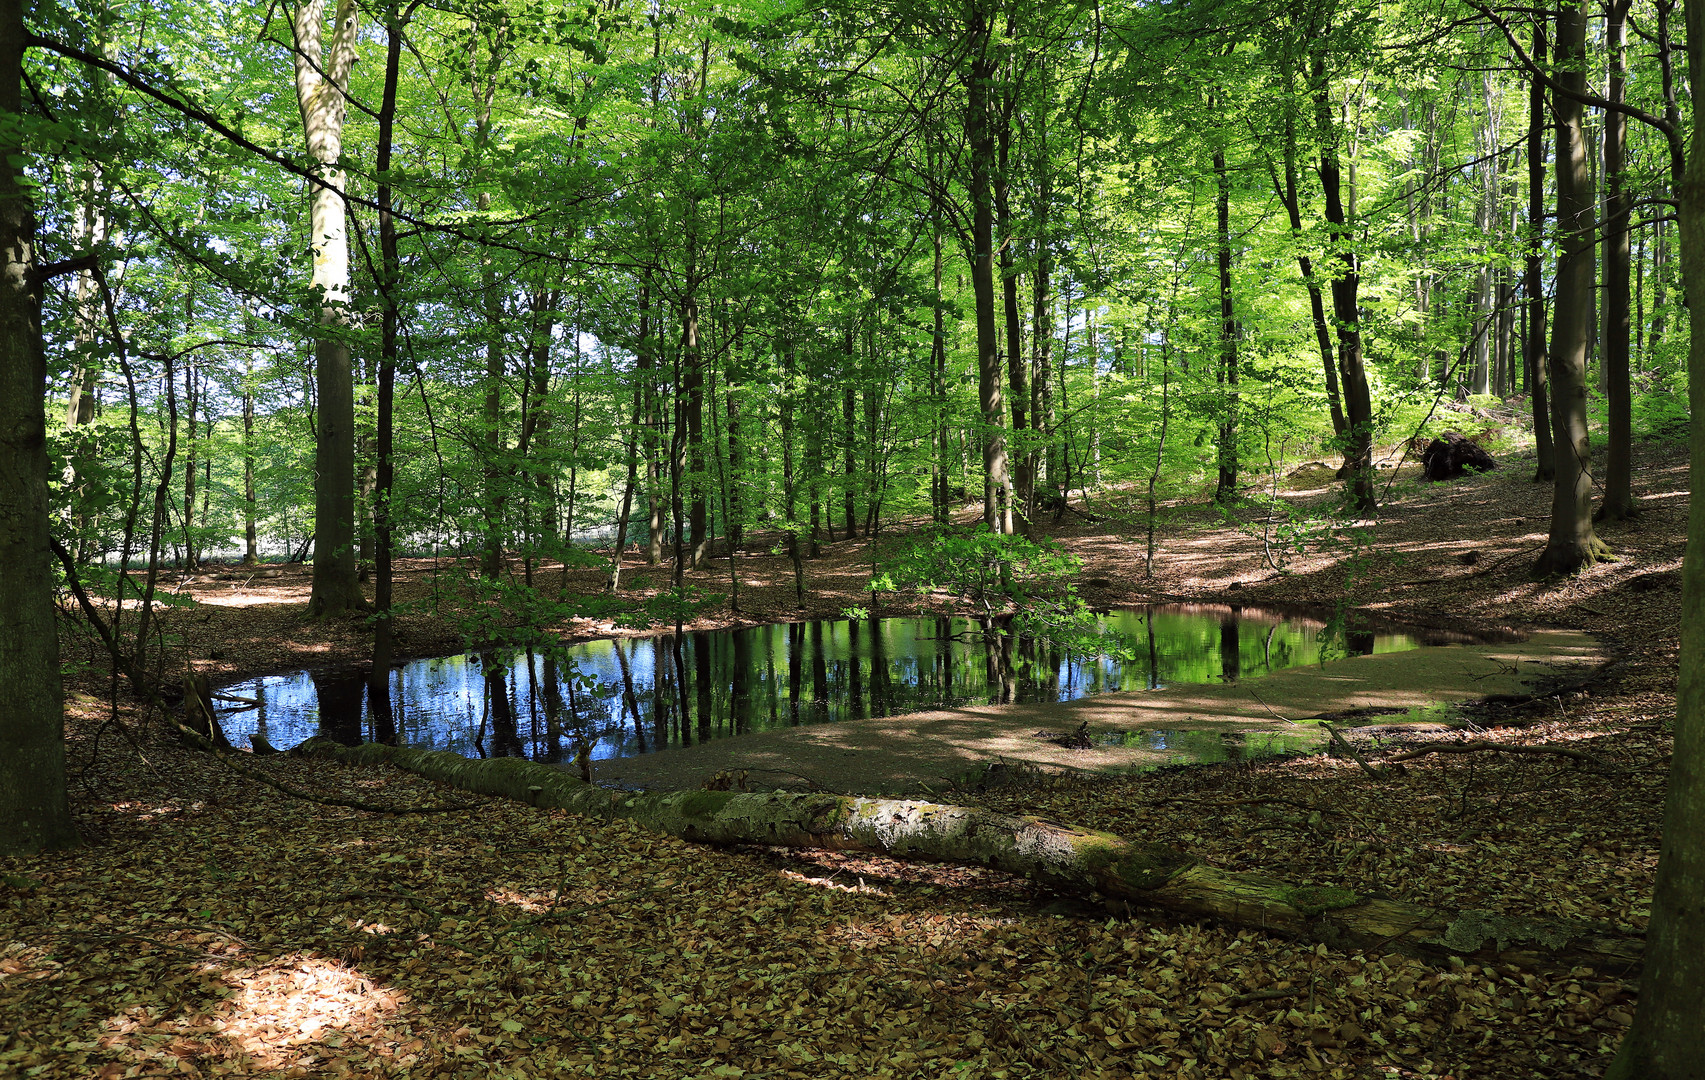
x=637 y=696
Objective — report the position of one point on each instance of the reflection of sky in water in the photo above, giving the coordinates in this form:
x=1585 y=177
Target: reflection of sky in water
x=636 y=696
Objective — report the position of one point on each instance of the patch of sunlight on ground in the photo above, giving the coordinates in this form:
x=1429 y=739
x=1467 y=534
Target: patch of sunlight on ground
x=247 y=600
x=533 y=903
x=291 y=1012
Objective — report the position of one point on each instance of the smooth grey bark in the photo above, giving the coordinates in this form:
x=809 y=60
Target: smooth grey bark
x=979 y=135
x=1018 y=386
x=322 y=77
x=35 y=813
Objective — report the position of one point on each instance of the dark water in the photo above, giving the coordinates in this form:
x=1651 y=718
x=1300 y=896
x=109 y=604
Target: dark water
x=641 y=695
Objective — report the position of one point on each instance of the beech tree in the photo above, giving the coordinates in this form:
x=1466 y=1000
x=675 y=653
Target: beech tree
x=1667 y=1039
x=34 y=811
x=322 y=69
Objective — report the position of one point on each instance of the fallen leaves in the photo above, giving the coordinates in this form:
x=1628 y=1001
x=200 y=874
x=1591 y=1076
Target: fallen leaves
x=259 y=936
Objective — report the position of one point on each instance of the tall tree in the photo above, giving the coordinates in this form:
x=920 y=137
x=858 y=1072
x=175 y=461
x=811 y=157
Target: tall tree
x=1533 y=279
x=34 y=810
x=1667 y=1038
x=322 y=83
x=1618 y=501
x=1345 y=268
x=1572 y=544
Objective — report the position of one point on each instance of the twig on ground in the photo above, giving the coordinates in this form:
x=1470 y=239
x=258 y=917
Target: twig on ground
x=1344 y=745
x=1500 y=748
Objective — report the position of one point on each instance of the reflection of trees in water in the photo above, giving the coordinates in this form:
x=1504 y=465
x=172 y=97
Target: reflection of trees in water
x=642 y=695
x=342 y=696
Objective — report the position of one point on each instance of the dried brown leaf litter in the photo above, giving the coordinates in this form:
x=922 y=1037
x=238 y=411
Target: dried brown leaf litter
x=215 y=926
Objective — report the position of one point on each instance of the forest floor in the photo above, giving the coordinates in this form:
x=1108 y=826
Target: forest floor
x=215 y=925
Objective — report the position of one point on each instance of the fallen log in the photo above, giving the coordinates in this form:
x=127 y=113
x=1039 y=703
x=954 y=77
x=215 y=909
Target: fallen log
x=1068 y=858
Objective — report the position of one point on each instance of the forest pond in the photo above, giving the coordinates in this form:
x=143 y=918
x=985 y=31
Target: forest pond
x=638 y=695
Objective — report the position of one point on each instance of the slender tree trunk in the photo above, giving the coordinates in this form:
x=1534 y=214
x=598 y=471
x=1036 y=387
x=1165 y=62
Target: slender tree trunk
x=941 y=465
x=35 y=812
x=1018 y=382
x=997 y=513
x=733 y=385
x=1618 y=501
x=1226 y=374
x=790 y=520
x=322 y=79
x=390 y=274
x=89 y=234
x=1292 y=198
x=1346 y=306
x=849 y=430
x=1572 y=545
x=251 y=549
x=491 y=412
x=653 y=465
x=692 y=395
x=1041 y=323
x=642 y=376
x=1534 y=286
x=189 y=442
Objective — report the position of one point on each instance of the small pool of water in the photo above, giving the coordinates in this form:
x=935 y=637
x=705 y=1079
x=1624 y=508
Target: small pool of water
x=641 y=695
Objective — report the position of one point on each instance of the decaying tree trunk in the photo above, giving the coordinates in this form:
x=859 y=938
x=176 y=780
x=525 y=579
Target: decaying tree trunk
x=1064 y=857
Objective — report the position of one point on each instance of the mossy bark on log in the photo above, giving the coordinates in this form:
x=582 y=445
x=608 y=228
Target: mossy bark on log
x=1068 y=858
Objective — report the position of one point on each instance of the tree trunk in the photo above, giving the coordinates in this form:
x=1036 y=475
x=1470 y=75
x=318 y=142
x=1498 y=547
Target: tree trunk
x=1534 y=281
x=1292 y=198
x=997 y=513
x=733 y=386
x=1068 y=858
x=692 y=392
x=1346 y=305
x=849 y=430
x=322 y=78
x=790 y=521
x=1572 y=545
x=389 y=280
x=1018 y=383
x=491 y=412
x=35 y=813
x=1041 y=321
x=1667 y=1039
x=1618 y=501
x=642 y=376
x=1226 y=488
x=189 y=442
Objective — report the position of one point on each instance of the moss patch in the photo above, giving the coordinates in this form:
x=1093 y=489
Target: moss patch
x=1471 y=929
x=703 y=804
x=1314 y=900
x=1139 y=866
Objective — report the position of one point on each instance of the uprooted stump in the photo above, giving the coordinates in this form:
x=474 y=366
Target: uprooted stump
x=1450 y=455
x=1068 y=858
